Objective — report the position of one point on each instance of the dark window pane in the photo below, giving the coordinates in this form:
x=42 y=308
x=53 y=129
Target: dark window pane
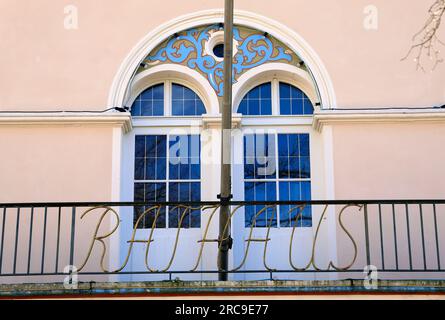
x=150 y=102
x=293 y=145
x=284 y=209
x=266 y=107
x=174 y=166
x=254 y=93
x=140 y=146
x=305 y=167
x=257 y=101
x=177 y=91
x=158 y=92
x=195 y=171
x=161 y=168
x=150 y=168
x=285 y=107
x=243 y=107
x=284 y=90
x=297 y=106
x=149 y=192
x=189 y=107
x=296 y=93
x=254 y=107
x=283 y=165
x=139 y=194
x=308 y=107
x=178 y=107
x=294 y=167
x=185 y=102
x=283 y=145
x=146 y=108
x=189 y=94
x=304 y=144
x=200 y=108
x=139 y=167
x=266 y=91
x=184 y=173
x=150 y=146
x=158 y=107
x=161 y=149
x=260 y=191
x=136 y=108
x=184 y=191
x=294 y=101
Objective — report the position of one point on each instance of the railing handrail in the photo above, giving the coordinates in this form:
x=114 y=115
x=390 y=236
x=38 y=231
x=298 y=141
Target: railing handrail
x=217 y=202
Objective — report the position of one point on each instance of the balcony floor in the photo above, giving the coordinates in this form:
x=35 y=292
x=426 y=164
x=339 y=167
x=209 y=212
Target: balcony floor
x=338 y=289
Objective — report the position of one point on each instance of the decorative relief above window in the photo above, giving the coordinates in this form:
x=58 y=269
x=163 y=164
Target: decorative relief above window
x=201 y=49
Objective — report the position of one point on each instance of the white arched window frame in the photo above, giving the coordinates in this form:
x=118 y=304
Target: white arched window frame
x=167 y=124
x=276 y=73
x=119 y=93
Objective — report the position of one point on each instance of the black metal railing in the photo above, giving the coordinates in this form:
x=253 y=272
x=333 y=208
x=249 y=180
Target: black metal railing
x=400 y=238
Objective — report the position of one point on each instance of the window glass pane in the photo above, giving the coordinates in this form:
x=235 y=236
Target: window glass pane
x=184 y=191
x=304 y=144
x=306 y=195
x=259 y=156
x=150 y=102
x=289 y=215
x=184 y=164
x=146 y=192
x=257 y=101
x=185 y=102
x=293 y=101
x=294 y=163
x=260 y=191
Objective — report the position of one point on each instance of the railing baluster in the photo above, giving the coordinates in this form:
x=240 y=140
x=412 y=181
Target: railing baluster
x=31 y=222
x=395 y=236
x=368 y=253
x=382 y=250
x=423 y=237
x=437 y=237
x=58 y=240
x=3 y=239
x=409 y=237
x=42 y=267
x=16 y=240
x=73 y=230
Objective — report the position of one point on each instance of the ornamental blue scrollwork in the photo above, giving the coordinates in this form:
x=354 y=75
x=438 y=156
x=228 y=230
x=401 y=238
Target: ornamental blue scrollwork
x=189 y=48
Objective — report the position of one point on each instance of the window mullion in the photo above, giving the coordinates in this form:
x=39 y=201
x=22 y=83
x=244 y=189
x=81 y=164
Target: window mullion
x=168 y=98
x=275 y=97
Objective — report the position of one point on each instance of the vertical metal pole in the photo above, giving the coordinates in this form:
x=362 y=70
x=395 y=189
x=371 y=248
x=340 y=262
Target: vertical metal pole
x=226 y=127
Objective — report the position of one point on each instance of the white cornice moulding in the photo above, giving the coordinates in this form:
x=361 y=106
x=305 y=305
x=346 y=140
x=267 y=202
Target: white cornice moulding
x=331 y=117
x=110 y=119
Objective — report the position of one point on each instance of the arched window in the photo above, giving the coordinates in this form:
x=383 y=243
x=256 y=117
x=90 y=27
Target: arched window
x=276 y=155
x=152 y=101
x=291 y=100
x=167 y=165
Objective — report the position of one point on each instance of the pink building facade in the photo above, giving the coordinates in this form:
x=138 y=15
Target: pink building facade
x=324 y=76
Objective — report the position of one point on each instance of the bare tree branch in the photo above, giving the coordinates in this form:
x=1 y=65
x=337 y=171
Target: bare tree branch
x=425 y=41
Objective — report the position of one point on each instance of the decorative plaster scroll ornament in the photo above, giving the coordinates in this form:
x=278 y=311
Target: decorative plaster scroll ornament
x=252 y=48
